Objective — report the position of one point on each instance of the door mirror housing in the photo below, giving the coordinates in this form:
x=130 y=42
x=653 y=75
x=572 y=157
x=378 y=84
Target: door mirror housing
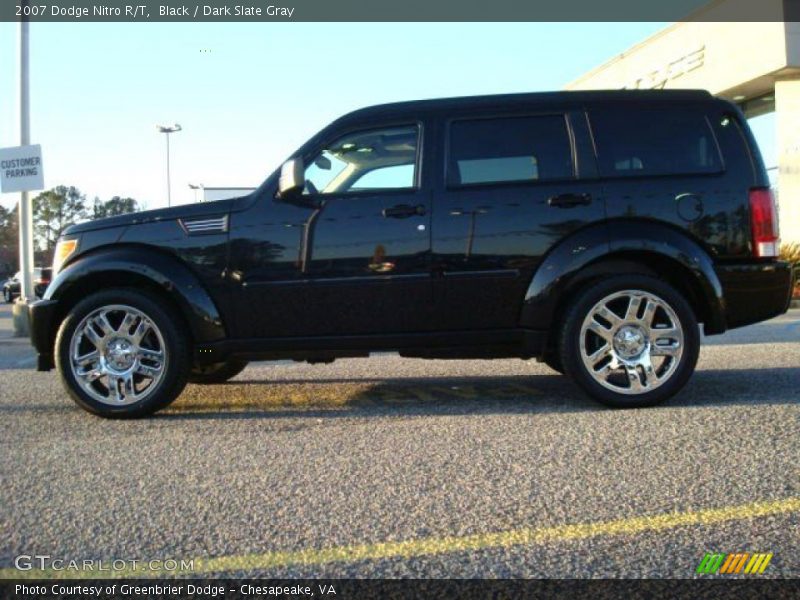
x=292 y=181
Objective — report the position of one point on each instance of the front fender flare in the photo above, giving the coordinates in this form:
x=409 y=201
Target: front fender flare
x=162 y=270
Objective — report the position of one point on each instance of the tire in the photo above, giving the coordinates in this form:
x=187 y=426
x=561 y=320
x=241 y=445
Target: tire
x=554 y=362
x=133 y=363
x=218 y=372
x=7 y=296
x=617 y=327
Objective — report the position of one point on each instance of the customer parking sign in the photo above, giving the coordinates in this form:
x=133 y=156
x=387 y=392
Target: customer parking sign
x=21 y=169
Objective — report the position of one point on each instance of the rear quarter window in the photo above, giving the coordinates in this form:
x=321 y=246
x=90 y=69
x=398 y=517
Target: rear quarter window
x=635 y=143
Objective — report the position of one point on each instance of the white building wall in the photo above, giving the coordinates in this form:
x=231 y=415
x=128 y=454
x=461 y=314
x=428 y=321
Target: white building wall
x=740 y=61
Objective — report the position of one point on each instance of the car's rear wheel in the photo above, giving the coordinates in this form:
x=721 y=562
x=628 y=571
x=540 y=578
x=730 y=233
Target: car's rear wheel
x=630 y=341
x=122 y=354
x=218 y=372
x=7 y=296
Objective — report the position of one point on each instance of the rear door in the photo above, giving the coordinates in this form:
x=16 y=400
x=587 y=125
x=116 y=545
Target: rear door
x=508 y=190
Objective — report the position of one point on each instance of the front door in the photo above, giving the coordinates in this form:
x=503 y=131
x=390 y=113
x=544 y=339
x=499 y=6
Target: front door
x=362 y=231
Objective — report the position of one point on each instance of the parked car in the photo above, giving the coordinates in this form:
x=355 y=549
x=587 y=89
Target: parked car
x=590 y=230
x=41 y=279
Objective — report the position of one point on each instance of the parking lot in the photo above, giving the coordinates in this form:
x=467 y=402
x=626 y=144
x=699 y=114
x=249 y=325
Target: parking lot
x=398 y=467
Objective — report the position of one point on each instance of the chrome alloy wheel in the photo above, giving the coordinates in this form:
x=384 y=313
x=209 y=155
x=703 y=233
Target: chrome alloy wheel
x=631 y=342
x=117 y=355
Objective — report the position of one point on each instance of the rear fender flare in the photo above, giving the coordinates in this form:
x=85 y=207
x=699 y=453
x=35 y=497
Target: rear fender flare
x=562 y=267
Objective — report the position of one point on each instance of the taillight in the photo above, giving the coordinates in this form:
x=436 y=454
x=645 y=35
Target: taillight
x=764 y=223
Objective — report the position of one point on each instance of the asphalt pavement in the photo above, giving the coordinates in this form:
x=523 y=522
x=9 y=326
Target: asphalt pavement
x=403 y=467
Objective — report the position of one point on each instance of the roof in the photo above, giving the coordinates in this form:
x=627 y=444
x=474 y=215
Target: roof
x=510 y=101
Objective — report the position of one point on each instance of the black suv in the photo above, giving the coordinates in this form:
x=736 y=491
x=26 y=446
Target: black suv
x=41 y=279
x=590 y=230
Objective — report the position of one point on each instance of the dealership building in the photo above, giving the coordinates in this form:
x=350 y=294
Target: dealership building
x=756 y=65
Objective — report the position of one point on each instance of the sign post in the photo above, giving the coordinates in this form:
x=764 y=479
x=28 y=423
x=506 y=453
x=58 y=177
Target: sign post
x=25 y=208
x=21 y=171
x=23 y=175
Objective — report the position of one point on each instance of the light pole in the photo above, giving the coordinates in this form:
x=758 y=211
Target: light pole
x=196 y=187
x=480 y=210
x=25 y=209
x=167 y=129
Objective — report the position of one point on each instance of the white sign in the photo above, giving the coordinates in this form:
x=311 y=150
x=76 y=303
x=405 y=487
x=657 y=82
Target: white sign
x=658 y=78
x=21 y=169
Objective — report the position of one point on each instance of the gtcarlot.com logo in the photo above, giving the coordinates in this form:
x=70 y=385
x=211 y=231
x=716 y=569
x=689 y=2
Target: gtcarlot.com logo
x=45 y=562
x=736 y=563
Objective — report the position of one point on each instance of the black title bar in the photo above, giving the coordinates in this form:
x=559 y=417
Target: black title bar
x=397 y=10
x=366 y=589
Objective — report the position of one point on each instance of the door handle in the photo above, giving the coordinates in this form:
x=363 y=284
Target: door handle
x=403 y=211
x=569 y=200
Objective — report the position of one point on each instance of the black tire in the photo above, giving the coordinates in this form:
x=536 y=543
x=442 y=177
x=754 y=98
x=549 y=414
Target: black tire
x=218 y=372
x=7 y=295
x=569 y=348
x=553 y=361
x=177 y=354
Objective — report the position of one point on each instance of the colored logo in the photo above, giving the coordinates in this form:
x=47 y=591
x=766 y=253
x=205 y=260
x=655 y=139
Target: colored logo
x=736 y=563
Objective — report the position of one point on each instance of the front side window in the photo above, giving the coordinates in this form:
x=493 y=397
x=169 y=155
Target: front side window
x=377 y=159
x=509 y=149
x=654 y=142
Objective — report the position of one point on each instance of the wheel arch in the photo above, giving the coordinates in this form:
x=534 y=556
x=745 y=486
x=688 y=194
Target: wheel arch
x=633 y=246
x=143 y=268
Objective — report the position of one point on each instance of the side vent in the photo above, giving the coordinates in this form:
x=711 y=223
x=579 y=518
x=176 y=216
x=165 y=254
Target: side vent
x=205 y=225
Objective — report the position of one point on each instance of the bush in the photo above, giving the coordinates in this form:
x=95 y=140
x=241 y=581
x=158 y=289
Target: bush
x=791 y=252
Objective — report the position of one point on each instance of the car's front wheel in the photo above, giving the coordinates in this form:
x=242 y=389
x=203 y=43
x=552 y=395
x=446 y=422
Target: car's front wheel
x=630 y=341
x=122 y=354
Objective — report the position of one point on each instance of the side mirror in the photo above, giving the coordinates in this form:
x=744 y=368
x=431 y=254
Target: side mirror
x=292 y=181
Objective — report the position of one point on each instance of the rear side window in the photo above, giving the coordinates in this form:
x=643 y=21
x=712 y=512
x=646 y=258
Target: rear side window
x=509 y=149
x=633 y=143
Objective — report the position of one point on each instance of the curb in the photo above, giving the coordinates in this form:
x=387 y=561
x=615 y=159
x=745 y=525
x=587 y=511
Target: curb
x=15 y=341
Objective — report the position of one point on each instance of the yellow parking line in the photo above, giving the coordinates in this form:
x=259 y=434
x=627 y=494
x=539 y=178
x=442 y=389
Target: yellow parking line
x=450 y=544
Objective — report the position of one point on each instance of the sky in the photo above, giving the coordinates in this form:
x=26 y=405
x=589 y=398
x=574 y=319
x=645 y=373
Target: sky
x=247 y=95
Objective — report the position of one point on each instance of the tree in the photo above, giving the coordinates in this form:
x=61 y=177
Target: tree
x=9 y=241
x=54 y=211
x=113 y=207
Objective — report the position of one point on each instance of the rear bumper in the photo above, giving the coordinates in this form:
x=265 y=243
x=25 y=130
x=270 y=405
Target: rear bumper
x=41 y=314
x=755 y=292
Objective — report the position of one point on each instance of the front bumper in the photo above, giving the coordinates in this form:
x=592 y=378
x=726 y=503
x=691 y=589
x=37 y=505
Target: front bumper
x=41 y=316
x=755 y=291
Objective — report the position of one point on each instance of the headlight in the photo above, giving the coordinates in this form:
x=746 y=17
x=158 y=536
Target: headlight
x=64 y=249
